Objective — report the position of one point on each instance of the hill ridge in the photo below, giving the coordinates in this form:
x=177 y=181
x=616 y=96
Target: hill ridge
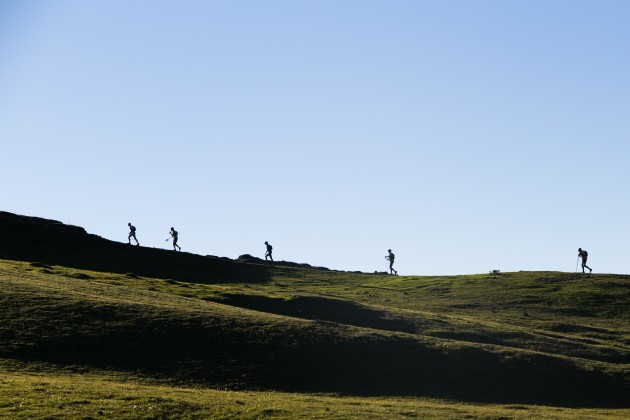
x=50 y=241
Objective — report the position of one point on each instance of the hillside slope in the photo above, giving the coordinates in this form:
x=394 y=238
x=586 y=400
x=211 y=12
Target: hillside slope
x=539 y=338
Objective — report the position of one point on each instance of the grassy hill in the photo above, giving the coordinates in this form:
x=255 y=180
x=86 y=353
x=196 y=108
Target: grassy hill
x=91 y=327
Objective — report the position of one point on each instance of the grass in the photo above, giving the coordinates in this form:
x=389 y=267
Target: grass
x=309 y=343
x=61 y=396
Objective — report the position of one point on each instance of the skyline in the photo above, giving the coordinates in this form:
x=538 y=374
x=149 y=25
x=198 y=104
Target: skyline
x=465 y=136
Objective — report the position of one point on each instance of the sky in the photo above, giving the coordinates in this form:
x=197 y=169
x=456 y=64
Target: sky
x=465 y=136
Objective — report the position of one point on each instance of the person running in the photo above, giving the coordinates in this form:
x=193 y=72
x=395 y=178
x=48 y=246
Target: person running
x=584 y=255
x=268 y=253
x=132 y=234
x=174 y=235
x=390 y=256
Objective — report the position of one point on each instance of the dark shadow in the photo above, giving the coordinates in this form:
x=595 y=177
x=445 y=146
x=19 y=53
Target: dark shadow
x=54 y=243
x=320 y=357
x=319 y=308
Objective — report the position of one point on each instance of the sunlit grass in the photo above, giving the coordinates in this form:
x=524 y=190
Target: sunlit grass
x=38 y=395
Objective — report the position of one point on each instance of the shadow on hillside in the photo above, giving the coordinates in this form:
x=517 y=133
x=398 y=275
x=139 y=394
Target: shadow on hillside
x=354 y=314
x=252 y=353
x=320 y=308
x=52 y=242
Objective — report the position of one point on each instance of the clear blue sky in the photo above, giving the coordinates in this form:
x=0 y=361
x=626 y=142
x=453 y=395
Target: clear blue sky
x=464 y=135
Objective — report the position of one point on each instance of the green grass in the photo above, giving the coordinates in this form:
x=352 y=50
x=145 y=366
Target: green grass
x=62 y=396
x=311 y=343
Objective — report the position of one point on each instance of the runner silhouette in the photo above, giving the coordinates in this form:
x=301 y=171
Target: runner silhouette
x=268 y=253
x=132 y=234
x=390 y=256
x=174 y=235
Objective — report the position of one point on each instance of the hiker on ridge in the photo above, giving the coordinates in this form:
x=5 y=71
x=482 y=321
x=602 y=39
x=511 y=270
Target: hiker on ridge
x=174 y=236
x=132 y=234
x=390 y=256
x=268 y=253
x=584 y=255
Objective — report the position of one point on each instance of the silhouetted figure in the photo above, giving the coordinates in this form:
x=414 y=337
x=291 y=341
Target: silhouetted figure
x=174 y=235
x=584 y=255
x=268 y=253
x=390 y=256
x=132 y=234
